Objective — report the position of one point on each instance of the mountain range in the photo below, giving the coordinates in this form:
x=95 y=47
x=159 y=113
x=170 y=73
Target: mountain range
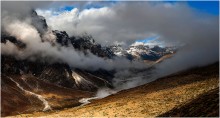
x=38 y=85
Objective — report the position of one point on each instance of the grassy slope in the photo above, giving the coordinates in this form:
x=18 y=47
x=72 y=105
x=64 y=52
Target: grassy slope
x=205 y=105
x=152 y=99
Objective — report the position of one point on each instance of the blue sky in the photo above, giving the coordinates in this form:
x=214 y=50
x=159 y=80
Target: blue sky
x=148 y=39
x=67 y=8
x=210 y=7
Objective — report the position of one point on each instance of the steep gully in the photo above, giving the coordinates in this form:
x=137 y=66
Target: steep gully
x=41 y=98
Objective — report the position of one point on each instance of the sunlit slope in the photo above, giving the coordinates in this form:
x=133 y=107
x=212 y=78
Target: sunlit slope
x=151 y=99
x=205 y=105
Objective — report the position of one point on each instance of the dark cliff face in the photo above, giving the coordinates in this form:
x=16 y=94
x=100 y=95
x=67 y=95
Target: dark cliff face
x=61 y=37
x=59 y=74
x=86 y=42
x=6 y=37
x=39 y=22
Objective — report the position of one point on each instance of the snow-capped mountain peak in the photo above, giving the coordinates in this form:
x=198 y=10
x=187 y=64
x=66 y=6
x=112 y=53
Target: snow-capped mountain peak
x=142 y=51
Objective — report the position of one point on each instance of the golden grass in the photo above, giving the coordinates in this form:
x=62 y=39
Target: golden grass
x=139 y=105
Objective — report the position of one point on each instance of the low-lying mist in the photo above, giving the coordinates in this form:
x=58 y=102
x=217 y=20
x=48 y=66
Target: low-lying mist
x=36 y=49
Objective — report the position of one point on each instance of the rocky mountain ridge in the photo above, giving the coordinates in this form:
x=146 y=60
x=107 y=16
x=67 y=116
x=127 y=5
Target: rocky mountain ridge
x=57 y=73
x=143 y=52
x=31 y=80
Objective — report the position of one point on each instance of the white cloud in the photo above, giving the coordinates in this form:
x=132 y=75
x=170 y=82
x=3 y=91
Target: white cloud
x=61 y=20
x=96 y=22
x=177 y=23
x=36 y=49
x=126 y=22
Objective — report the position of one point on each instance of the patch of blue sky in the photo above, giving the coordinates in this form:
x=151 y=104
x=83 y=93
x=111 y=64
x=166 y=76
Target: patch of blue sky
x=210 y=7
x=67 y=8
x=148 y=39
x=89 y=6
x=99 y=4
x=62 y=9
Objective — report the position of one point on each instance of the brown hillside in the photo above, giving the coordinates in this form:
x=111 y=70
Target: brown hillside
x=14 y=101
x=152 y=99
x=205 y=105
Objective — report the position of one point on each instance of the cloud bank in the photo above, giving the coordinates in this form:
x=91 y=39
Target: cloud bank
x=38 y=50
x=123 y=22
x=128 y=21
